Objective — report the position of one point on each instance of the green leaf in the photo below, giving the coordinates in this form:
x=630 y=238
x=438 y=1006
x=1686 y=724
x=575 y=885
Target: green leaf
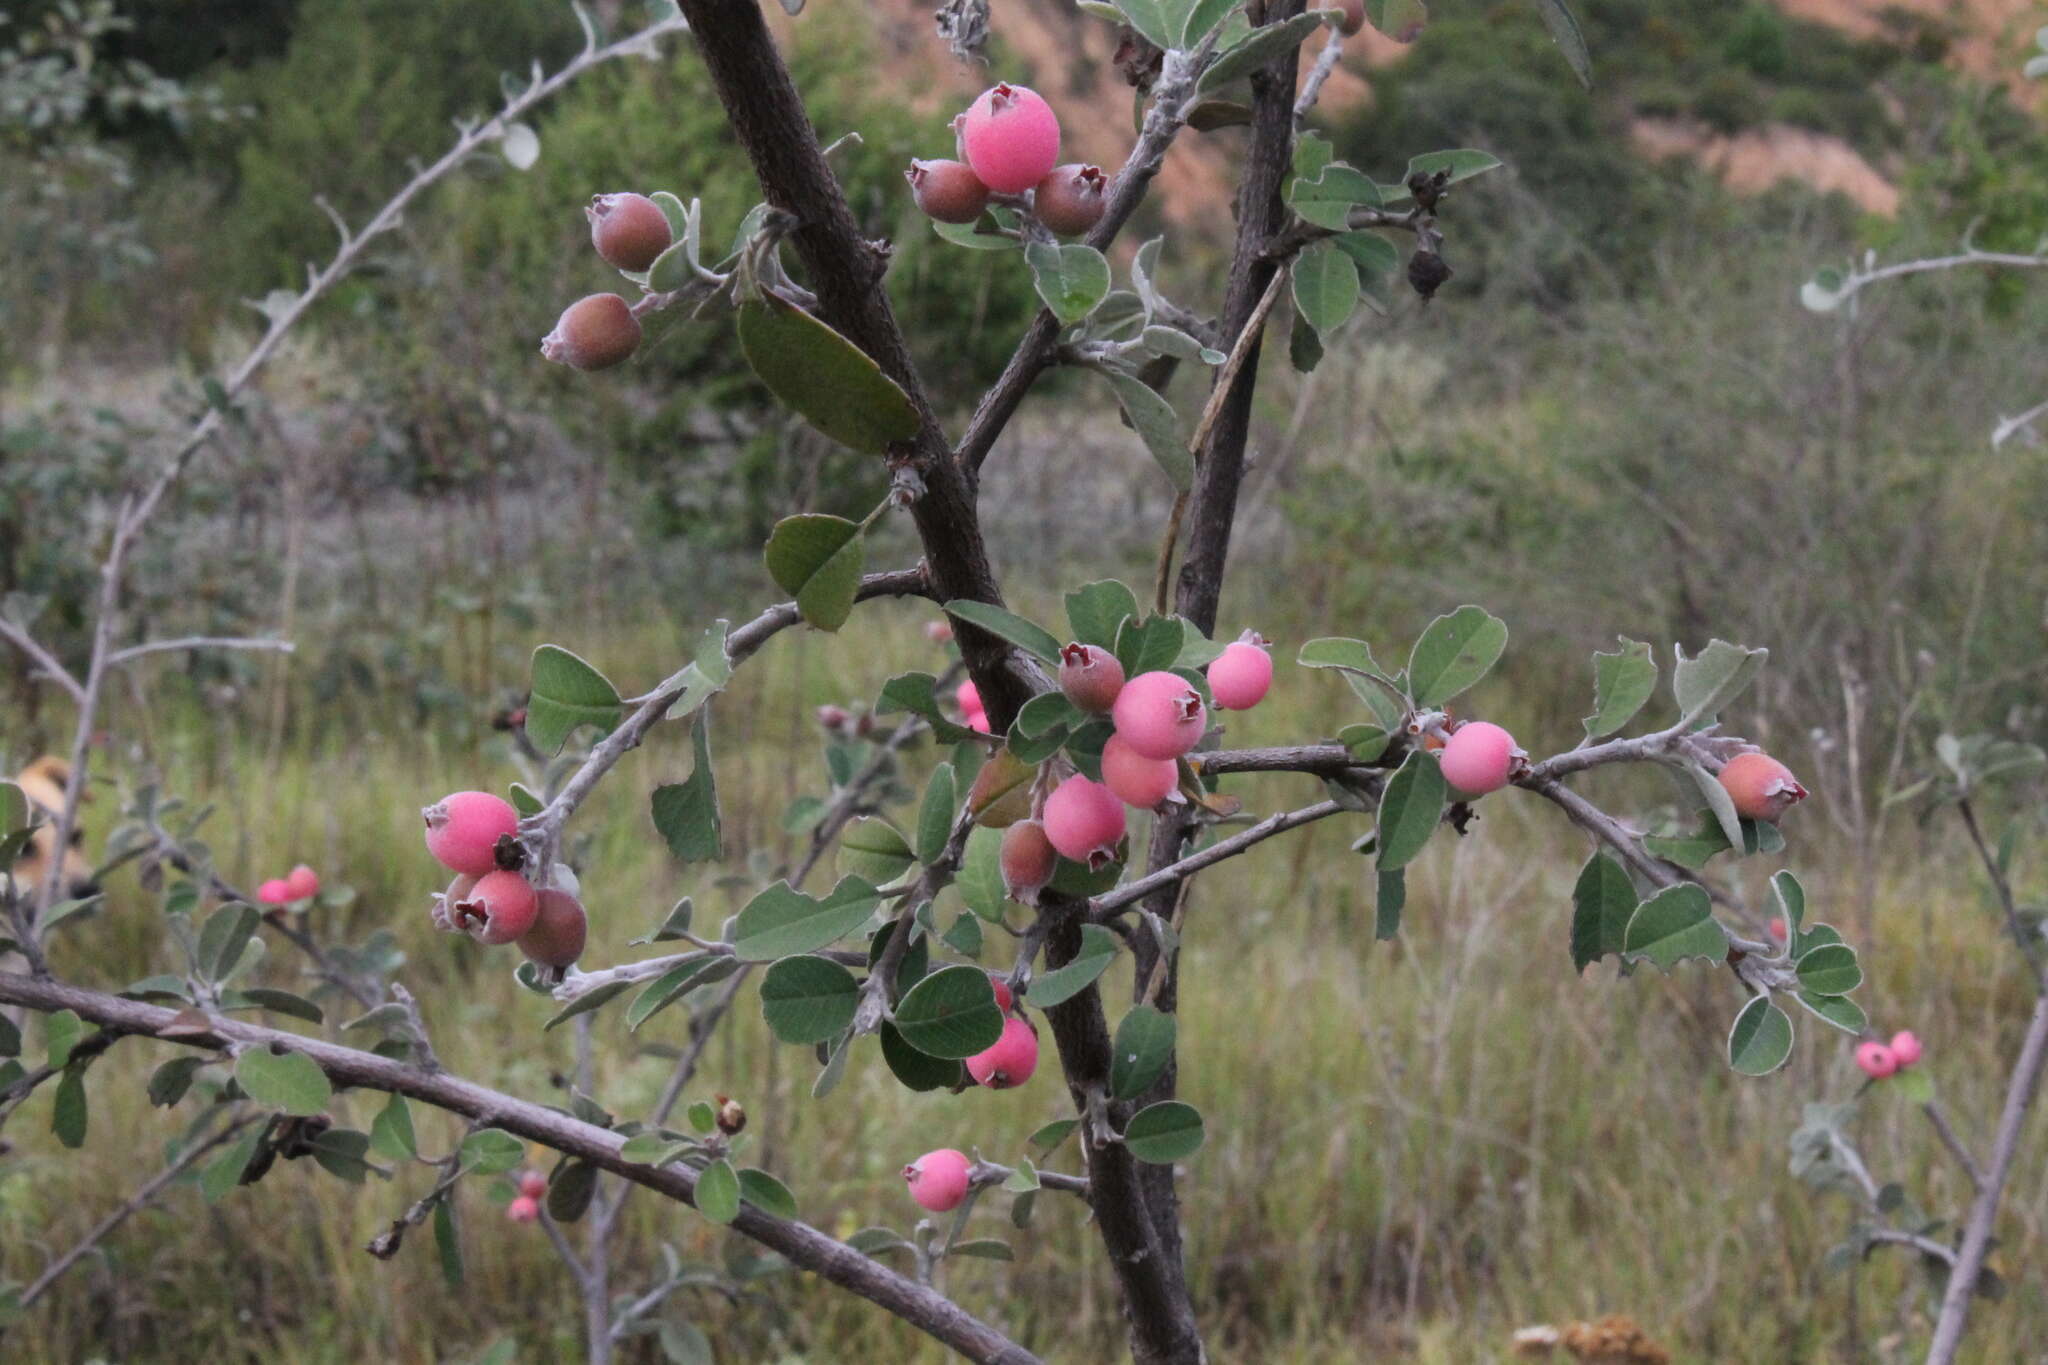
x=1463 y=163
x=586 y=1002
x=1259 y=47
x=1071 y=279
x=709 y=671
x=61 y=1032
x=491 y=1151
x=1367 y=743
x=1838 y=1010
x=221 y=942
x=1455 y=652
x=285 y=1080
x=817 y=559
x=950 y=1014
x=918 y=1071
x=781 y=922
x=1163 y=1133
x=524 y=801
x=1326 y=200
x=673 y=984
x=1675 y=924
x=169 y=1082
x=1761 y=1039
x=1157 y=425
x=1830 y=969
x=981 y=874
x=686 y=813
x=986 y=1248
x=1401 y=20
x=1033 y=639
x=15 y=815
x=718 y=1192
x=1719 y=803
x=1915 y=1086
x=871 y=848
x=1160 y=21
x=570 y=1190
x=69 y=1114
x=1622 y=682
x=1392 y=898
x=1564 y=31
x=64 y=910
x=283 y=1002
x=983 y=234
x=1603 y=901
x=918 y=695
x=1353 y=658
x=1203 y=15
x=343 y=1153
x=224 y=1172
x=1149 y=645
x=1095 y=611
x=10 y=1038
x=808 y=999
x=935 y=816
x=829 y=381
x=655 y=1148
x=1144 y=1045
x=1325 y=287
x=391 y=1132
x=1098 y=949
x=1706 y=684
x=1052 y=1134
x=1791 y=898
x=766 y=1193
x=1694 y=849
x=567 y=693
x=447 y=1241
x=1411 y=806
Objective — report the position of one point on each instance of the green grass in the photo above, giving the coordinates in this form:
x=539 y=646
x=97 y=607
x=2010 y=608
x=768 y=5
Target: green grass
x=1414 y=1148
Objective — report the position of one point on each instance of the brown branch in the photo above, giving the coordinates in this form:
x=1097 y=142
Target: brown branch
x=803 y=1245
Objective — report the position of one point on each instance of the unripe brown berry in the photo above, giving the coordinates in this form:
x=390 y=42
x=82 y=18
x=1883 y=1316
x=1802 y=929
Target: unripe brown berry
x=1351 y=16
x=559 y=929
x=1028 y=860
x=1090 y=677
x=947 y=190
x=628 y=230
x=1070 y=200
x=594 y=333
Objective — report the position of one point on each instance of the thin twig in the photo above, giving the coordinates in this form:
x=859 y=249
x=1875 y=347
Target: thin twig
x=133 y=652
x=1113 y=903
x=1939 y=1118
x=41 y=658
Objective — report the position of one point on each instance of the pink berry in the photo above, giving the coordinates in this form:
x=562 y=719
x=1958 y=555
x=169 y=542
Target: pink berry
x=938 y=1180
x=1071 y=198
x=1761 y=787
x=596 y=332
x=938 y=632
x=304 y=883
x=834 y=718
x=276 y=891
x=533 y=1184
x=968 y=698
x=1004 y=998
x=1478 y=758
x=1028 y=859
x=498 y=909
x=947 y=191
x=1877 y=1060
x=1160 y=715
x=1906 y=1047
x=1241 y=674
x=1778 y=930
x=463 y=830
x=1084 y=821
x=558 y=930
x=1090 y=677
x=1011 y=1061
x=524 y=1209
x=978 y=720
x=628 y=230
x=1137 y=780
x=1011 y=137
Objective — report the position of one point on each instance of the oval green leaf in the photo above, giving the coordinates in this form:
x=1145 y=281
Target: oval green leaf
x=951 y=1014
x=290 y=1081
x=1675 y=924
x=817 y=559
x=808 y=999
x=1410 y=809
x=829 y=381
x=567 y=693
x=1761 y=1039
x=718 y=1192
x=1164 y=1133
x=1144 y=1045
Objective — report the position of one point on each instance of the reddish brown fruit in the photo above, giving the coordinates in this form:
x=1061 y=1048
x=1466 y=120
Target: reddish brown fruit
x=1090 y=677
x=1071 y=199
x=1351 y=16
x=594 y=333
x=628 y=230
x=1760 y=786
x=948 y=191
x=559 y=929
x=1028 y=860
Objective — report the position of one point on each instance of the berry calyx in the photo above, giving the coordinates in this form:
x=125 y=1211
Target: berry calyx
x=463 y=830
x=596 y=332
x=524 y=1209
x=1241 y=674
x=1478 y=758
x=559 y=929
x=1084 y=821
x=1761 y=787
x=938 y=1180
x=947 y=191
x=1905 y=1046
x=498 y=909
x=303 y=883
x=533 y=1184
x=1011 y=138
x=628 y=230
x=1028 y=859
x=1160 y=715
x=1877 y=1060
x=1090 y=677
x=1071 y=198
x=1137 y=780
x=276 y=891
x=1011 y=1061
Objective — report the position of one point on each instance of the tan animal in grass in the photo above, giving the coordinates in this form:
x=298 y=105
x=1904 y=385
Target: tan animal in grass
x=43 y=782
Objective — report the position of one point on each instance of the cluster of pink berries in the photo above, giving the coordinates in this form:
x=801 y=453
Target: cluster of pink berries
x=468 y=833
x=1009 y=143
x=938 y=1180
x=533 y=1186
x=599 y=331
x=1880 y=1060
x=302 y=883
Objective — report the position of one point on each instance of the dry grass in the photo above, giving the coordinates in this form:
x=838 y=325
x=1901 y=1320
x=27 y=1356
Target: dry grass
x=1414 y=1148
